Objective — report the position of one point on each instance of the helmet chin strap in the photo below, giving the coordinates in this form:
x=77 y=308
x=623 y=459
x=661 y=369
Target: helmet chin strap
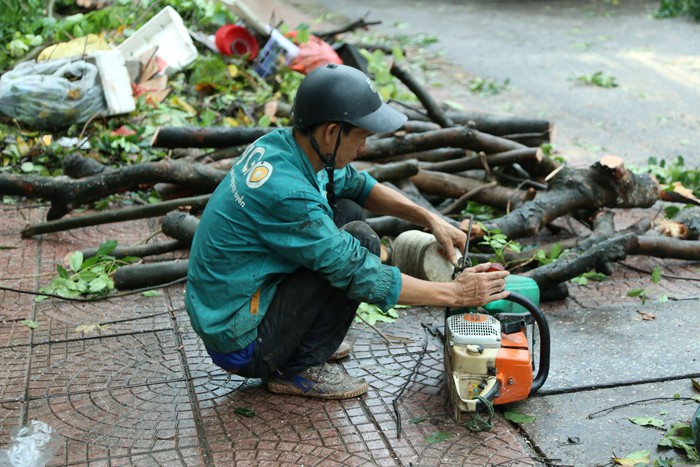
x=329 y=163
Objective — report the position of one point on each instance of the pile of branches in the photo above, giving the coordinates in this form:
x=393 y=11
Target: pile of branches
x=440 y=159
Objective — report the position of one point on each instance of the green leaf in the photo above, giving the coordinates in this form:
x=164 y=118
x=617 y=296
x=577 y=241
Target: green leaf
x=555 y=251
x=372 y=313
x=87 y=275
x=638 y=457
x=88 y=328
x=88 y=263
x=438 y=437
x=76 y=260
x=580 y=280
x=31 y=324
x=517 y=417
x=106 y=247
x=250 y=413
x=98 y=285
x=62 y=273
x=647 y=421
x=635 y=292
x=417 y=420
x=656 y=275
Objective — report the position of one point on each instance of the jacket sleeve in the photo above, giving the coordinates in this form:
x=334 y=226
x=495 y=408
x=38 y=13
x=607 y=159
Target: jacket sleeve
x=300 y=229
x=351 y=184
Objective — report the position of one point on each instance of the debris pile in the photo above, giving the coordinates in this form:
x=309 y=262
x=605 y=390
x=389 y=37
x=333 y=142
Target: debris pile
x=162 y=110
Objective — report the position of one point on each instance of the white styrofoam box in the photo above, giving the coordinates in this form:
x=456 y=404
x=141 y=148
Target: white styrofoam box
x=168 y=33
x=115 y=81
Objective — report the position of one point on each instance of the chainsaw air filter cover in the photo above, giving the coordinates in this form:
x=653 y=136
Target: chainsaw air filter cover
x=474 y=328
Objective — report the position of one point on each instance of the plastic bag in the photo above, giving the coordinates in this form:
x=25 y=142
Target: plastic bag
x=32 y=446
x=313 y=54
x=53 y=94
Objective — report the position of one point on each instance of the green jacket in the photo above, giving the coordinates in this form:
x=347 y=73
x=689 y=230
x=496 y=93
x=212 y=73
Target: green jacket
x=267 y=218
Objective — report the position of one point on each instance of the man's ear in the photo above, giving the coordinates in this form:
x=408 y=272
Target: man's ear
x=330 y=133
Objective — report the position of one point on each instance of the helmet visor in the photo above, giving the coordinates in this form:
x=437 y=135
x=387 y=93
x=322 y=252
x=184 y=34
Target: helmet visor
x=385 y=119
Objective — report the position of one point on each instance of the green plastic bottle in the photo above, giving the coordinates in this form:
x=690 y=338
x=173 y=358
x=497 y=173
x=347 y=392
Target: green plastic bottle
x=523 y=285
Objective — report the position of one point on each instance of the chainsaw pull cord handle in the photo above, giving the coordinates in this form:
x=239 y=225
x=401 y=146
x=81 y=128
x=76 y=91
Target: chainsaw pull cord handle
x=545 y=340
x=461 y=265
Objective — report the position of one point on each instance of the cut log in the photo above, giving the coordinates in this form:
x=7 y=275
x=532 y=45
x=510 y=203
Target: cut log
x=139 y=276
x=455 y=137
x=600 y=255
x=393 y=171
x=76 y=165
x=493 y=160
x=454 y=186
x=498 y=125
x=686 y=225
x=66 y=194
x=206 y=137
x=141 y=251
x=180 y=225
x=605 y=184
x=432 y=155
x=118 y=215
x=435 y=113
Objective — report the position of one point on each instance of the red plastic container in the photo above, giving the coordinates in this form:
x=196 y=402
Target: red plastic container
x=236 y=40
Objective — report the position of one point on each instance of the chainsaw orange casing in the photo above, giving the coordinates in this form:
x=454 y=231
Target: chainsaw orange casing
x=513 y=368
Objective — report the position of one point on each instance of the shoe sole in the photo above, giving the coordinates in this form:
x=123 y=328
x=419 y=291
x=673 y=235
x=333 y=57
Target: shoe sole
x=281 y=388
x=339 y=355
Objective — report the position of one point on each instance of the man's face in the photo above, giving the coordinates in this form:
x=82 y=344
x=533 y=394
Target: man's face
x=351 y=145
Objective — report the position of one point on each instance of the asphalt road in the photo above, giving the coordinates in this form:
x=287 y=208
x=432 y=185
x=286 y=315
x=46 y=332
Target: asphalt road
x=543 y=49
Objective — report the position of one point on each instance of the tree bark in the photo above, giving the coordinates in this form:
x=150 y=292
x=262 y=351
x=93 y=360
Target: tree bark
x=180 y=225
x=579 y=189
x=459 y=137
x=493 y=160
x=119 y=215
x=434 y=112
x=140 y=251
x=206 y=137
x=497 y=125
x=139 y=276
x=454 y=186
x=66 y=194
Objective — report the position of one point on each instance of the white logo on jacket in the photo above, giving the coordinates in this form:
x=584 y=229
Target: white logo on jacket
x=258 y=175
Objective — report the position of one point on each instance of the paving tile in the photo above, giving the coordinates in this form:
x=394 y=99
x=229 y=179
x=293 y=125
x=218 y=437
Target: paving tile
x=9 y=420
x=60 y=320
x=13 y=373
x=127 y=423
x=81 y=366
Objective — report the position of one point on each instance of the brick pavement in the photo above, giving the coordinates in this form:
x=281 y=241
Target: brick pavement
x=140 y=389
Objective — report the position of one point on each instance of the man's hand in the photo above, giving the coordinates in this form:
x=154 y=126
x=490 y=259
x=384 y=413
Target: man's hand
x=449 y=237
x=477 y=287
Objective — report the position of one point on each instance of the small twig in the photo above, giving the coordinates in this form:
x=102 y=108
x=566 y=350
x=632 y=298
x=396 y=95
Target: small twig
x=615 y=407
x=460 y=202
x=395 y=403
x=667 y=276
x=384 y=336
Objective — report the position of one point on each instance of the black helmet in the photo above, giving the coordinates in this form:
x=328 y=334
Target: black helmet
x=340 y=93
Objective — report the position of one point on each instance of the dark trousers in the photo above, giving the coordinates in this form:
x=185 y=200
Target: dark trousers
x=308 y=318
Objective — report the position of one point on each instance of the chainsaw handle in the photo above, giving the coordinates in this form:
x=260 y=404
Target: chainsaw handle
x=490 y=395
x=545 y=341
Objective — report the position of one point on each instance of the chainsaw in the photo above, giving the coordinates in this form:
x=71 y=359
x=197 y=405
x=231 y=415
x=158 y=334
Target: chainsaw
x=488 y=358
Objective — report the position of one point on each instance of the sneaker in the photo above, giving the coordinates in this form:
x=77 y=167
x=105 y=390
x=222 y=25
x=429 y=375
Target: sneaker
x=321 y=382
x=342 y=352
